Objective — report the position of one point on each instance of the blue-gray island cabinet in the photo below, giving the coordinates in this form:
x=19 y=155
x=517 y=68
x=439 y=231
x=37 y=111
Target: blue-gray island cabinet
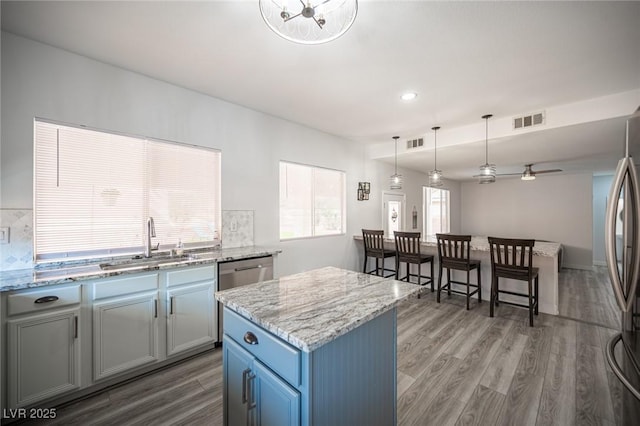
x=314 y=348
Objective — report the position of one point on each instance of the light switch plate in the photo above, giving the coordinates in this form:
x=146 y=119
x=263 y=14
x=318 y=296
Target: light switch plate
x=4 y=235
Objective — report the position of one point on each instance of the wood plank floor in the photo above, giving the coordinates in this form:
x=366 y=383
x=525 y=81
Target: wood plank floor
x=587 y=296
x=455 y=367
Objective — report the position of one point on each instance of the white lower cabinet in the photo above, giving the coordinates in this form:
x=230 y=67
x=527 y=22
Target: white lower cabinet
x=43 y=345
x=125 y=324
x=190 y=317
x=124 y=334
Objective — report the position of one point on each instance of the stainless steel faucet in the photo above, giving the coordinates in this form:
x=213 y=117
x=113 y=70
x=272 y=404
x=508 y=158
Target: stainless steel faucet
x=151 y=232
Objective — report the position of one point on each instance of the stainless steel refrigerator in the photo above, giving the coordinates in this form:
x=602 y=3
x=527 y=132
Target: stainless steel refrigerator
x=622 y=236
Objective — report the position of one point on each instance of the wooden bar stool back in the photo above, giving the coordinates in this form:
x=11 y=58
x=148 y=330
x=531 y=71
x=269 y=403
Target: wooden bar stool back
x=374 y=247
x=513 y=258
x=408 y=252
x=453 y=253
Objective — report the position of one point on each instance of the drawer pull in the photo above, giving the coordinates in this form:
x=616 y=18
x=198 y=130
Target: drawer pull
x=46 y=299
x=250 y=338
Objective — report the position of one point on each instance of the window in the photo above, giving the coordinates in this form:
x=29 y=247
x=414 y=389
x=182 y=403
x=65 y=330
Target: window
x=436 y=208
x=94 y=192
x=312 y=201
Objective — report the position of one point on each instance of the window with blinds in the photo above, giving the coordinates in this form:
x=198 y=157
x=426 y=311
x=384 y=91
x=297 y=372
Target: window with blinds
x=94 y=192
x=312 y=201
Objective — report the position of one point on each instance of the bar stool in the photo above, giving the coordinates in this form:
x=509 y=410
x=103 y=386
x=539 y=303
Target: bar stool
x=453 y=253
x=408 y=251
x=512 y=258
x=374 y=247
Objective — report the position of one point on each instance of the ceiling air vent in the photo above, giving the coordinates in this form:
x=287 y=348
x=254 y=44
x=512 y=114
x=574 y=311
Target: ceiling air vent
x=415 y=143
x=528 y=120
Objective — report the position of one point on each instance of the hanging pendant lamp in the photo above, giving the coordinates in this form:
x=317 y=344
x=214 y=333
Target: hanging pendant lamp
x=487 y=171
x=396 y=180
x=435 y=175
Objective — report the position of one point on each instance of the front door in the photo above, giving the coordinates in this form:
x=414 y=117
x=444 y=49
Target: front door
x=393 y=212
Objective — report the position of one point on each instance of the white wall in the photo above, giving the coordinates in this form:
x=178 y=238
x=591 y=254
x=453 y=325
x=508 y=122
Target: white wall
x=42 y=81
x=601 y=186
x=553 y=207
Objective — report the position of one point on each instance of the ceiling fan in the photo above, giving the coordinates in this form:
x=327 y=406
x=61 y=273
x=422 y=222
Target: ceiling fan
x=529 y=173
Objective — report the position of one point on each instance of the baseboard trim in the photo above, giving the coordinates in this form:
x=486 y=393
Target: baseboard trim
x=599 y=263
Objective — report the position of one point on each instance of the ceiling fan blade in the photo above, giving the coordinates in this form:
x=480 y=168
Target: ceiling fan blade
x=508 y=174
x=546 y=171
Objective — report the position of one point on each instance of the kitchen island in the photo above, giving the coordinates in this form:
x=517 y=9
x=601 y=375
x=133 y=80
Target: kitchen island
x=546 y=257
x=313 y=348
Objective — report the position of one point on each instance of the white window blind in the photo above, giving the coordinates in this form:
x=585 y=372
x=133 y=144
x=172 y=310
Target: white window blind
x=95 y=190
x=312 y=201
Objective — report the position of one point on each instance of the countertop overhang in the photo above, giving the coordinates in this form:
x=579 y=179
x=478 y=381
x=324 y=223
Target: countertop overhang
x=312 y=308
x=64 y=273
x=481 y=243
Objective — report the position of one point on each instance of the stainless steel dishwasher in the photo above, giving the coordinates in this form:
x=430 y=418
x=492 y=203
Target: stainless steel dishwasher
x=237 y=273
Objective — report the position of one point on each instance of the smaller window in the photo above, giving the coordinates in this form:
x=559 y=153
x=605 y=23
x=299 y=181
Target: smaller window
x=436 y=208
x=312 y=201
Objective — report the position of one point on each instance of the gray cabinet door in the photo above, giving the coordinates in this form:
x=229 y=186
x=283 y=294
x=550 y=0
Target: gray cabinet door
x=44 y=356
x=277 y=403
x=237 y=365
x=190 y=315
x=124 y=334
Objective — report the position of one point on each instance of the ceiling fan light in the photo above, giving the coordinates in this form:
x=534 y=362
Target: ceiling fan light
x=487 y=173
x=486 y=179
x=527 y=176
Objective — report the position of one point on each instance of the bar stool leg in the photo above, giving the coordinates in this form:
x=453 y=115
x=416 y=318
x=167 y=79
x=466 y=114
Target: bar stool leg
x=536 y=293
x=448 y=282
x=364 y=266
x=468 y=297
x=439 y=282
x=530 y=303
x=431 y=262
x=479 y=286
x=492 y=296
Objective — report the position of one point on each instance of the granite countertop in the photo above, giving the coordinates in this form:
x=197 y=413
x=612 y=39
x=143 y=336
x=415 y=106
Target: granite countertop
x=312 y=308
x=65 y=273
x=480 y=243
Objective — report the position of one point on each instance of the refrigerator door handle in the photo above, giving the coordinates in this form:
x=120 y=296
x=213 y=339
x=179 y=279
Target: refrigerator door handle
x=613 y=363
x=625 y=170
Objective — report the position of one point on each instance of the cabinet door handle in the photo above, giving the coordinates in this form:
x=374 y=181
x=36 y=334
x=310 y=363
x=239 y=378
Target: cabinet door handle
x=155 y=308
x=250 y=397
x=46 y=299
x=250 y=338
x=75 y=326
x=171 y=305
x=244 y=384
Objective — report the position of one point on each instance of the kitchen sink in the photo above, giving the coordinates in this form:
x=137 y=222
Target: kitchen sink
x=143 y=262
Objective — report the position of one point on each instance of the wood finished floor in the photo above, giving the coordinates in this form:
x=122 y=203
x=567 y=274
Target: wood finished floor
x=455 y=367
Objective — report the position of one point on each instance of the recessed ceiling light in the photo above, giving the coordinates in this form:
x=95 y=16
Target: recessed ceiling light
x=409 y=96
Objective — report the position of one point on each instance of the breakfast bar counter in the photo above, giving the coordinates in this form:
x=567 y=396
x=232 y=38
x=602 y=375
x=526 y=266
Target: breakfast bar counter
x=546 y=257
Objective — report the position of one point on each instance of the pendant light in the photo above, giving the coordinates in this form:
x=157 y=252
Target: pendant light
x=435 y=175
x=487 y=171
x=396 y=179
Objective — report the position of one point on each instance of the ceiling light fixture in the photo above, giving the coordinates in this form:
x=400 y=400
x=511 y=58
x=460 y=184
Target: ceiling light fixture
x=396 y=179
x=409 y=96
x=528 y=174
x=309 y=21
x=435 y=175
x=487 y=171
